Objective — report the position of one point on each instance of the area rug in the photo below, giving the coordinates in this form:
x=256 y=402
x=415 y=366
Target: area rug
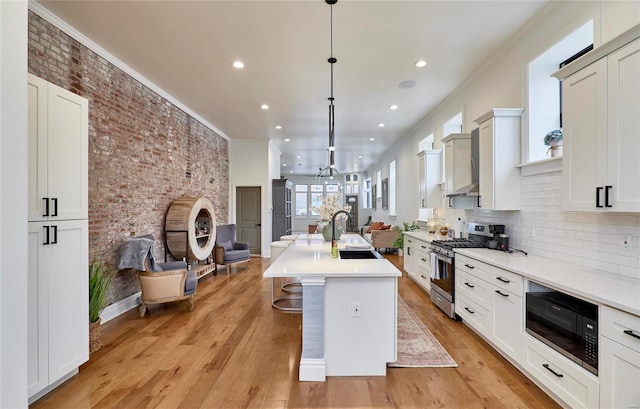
x=417 y=347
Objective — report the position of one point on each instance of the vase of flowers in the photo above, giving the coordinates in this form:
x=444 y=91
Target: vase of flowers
x=331 y=203
x=554 y=141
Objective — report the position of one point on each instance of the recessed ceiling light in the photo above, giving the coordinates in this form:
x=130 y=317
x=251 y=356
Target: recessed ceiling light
x=355 y=165
x=287 y=139
x=290 y=171
x=381 y=125
x=278 y=127
x=332 y=148
x=421 y=63
x=298 y=157
x=284 y=165
x=359 y=156
x=264 y=106
x=393 y=106
x=238 y=64
x=372 y=139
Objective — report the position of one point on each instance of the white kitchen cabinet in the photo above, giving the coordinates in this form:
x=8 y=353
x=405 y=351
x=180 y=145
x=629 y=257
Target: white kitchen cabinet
x=416 y=261
x=489 y=299
x=571 y=383
x=619 y=362
x=57 y=152
x=58 y=288
x=499 y=157
x=457 y=167
x=601 y=125
x=58 y=293
x=430 y=177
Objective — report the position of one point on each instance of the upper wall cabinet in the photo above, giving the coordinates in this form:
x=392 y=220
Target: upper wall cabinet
x=499 y=176
x=430 y=177
x=601 y=115
x=58 y=150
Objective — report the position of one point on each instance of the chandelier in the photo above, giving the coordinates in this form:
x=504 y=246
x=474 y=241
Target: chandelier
x=331 y=170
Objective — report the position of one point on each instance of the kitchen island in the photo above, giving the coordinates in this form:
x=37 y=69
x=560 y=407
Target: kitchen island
x=349 y=309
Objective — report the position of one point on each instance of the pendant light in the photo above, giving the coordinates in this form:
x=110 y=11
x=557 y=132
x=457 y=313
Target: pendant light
x=332 y=61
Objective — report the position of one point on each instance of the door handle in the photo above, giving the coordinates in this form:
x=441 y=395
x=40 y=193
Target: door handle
x=259 y=225
x=598 y=189
x=607 y=189
x=46 y=235
x=55 y=206
x=55 y=235
x=46 y=206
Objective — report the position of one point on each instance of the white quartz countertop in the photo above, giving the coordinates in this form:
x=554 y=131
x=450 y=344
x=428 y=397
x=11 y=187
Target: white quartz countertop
x=594 y=285
x=310 y=255
x=425 y=236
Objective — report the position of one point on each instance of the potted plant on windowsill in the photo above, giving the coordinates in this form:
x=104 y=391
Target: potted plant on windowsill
x=554 y=141
x=99 y=283
x=399 y=242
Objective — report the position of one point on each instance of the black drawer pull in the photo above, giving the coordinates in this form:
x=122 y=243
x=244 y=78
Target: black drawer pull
x=46 y=235
x=502 y=294
x=504 y=280
x=423 y=276
x=469 y=285
x=55 y=235
x=607 y=189
x=559 y=375
x=598 y=189
x=46 y=206
x=468 y=310
x=469 y=266
x=630 y=332
x=424 y=247
x=55 y=206
x=423 y=259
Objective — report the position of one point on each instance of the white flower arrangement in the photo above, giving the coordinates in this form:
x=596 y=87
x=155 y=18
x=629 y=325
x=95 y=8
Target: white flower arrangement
x=330 y=205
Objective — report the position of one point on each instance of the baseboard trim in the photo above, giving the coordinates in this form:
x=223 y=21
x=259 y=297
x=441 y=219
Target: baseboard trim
x=120 y=307
x=312 y=369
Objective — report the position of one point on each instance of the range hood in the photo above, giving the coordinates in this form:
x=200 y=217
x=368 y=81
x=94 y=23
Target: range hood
x=473 y=188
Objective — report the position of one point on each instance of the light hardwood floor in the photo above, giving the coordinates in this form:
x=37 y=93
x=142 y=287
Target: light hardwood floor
x=235 y=351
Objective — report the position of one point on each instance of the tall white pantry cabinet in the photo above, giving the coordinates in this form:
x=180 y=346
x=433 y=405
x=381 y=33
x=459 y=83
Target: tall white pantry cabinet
x=58 y=283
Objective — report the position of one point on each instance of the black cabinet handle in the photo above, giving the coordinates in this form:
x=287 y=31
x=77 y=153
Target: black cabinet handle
x=501 y=293
x=424 y=247
x=598 y=189
x=55 y=235
x=423 y=259
x=409 y=241
x=258 y=225
x=559 y=375
x=607 y=189
x=469 y=311
x=504 y=280
x=408 y=251
x=423 y=276
x=469 y=266
x=46 y=206
x=55 y=206
x=469 y=285
x=46 y=235
x=630 y=332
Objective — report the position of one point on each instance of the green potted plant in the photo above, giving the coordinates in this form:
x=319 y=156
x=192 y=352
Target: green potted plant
x=554 y=141
x=99 y=283
x=399 y=242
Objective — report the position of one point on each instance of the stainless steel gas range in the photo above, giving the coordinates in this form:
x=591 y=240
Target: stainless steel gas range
x=443 y=265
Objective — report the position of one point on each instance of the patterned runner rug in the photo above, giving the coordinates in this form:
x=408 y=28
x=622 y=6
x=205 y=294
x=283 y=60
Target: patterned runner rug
x=417 y=347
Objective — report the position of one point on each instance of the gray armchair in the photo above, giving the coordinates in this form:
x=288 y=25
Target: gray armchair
x=228 y=251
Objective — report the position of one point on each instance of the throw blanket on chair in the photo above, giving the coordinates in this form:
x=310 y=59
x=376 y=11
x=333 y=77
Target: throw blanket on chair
x=133 y=253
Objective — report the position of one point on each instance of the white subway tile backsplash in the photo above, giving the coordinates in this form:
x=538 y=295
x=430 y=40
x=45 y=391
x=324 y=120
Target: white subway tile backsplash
x=590 y=239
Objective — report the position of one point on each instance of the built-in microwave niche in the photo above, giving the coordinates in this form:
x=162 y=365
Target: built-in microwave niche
x=565 y=323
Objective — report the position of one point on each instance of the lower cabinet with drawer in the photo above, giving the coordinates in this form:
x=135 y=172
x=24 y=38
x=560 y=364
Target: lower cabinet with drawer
x=569 y=382
x=489 y=300
x=619 y=363
x=416 y=261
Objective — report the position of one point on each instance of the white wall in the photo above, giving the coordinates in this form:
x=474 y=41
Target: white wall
x=252 y=163
x=13 y=204
x=584 y=238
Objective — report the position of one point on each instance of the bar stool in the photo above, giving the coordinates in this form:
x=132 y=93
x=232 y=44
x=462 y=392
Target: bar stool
x=289 y=237
x=290 y=292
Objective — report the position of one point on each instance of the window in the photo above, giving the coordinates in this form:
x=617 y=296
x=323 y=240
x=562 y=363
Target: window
x=307 y=195
x=351 y=183
x=426 y=143
x=367 y=193
x=392 y=188
x=544 y=100
x=453 y=125
x=379 y=184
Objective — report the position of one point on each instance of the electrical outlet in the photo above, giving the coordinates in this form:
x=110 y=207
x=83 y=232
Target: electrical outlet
x=625 y=241
x=356 y=309
x=532 y=231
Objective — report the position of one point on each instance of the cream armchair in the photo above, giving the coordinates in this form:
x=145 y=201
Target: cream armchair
x=159 y=282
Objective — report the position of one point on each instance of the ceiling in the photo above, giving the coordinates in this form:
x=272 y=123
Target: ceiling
x=187 y=48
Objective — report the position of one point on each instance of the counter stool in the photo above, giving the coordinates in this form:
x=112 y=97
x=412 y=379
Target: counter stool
x=289 y=237
x=289 y=297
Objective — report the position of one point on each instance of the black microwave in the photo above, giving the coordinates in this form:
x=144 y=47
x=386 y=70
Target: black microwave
x=565 y=323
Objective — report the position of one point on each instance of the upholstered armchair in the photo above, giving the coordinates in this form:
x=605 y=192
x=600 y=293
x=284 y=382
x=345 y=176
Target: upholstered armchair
x=159 y=282
x=228 y=251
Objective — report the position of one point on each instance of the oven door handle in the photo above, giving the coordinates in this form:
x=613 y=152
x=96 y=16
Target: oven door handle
x=443 y=258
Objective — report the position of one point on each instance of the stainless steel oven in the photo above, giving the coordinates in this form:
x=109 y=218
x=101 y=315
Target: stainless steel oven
x=443 y=265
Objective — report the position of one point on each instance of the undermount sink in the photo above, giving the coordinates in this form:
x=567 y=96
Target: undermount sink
x=359 y=254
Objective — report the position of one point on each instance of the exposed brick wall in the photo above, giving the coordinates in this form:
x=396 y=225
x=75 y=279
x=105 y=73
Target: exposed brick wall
x=141 y=148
